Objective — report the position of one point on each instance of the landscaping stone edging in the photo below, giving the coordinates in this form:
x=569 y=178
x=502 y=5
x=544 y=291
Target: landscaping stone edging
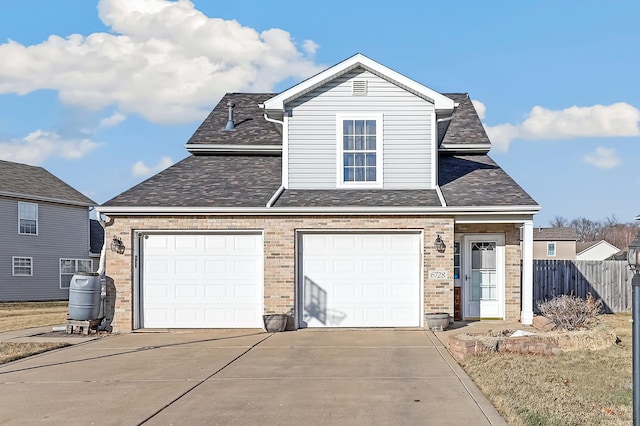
x=461 y=348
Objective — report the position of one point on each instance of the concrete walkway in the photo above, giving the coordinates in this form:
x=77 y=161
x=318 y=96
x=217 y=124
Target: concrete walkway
x=245 y=377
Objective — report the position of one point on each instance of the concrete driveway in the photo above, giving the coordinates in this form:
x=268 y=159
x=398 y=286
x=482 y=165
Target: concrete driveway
x=246 y=377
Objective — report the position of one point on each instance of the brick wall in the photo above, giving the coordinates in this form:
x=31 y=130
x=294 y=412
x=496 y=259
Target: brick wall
x=279 y=253
x=512 y=261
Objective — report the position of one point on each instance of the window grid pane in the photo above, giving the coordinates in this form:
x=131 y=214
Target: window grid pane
x=359 y=150
x=22 y=266
x=69 y=267
x=27 y=218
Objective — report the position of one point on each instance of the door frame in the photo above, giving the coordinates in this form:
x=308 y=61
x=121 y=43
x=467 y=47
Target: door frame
x=465 y=272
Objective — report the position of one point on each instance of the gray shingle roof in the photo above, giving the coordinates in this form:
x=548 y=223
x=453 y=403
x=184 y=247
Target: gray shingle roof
x=208 y=181
x=32 y=181
x=465 y=127
x=251 y=127
x=476 y=180
x=250 y=181
x=358 y=198
x=582 y=246
x=554 y=234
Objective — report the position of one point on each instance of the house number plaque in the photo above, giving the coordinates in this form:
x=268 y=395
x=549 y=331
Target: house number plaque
x=438 y=275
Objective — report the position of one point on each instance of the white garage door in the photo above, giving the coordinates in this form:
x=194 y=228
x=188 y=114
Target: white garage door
x=361 y=280
x=202 y=281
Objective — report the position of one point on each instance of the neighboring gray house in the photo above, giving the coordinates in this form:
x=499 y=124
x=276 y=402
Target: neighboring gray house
x=44 y=234
x=357 y=198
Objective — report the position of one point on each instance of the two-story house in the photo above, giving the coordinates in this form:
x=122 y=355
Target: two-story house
x=356 y=198
x=44 y=234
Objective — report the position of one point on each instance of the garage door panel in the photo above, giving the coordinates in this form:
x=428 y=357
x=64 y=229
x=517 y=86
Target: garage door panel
x=186 y=267
x=186 y=291
x=200 y=281
x=373 y=242
x=374 y=266
x=361 y=280
x=373 y=291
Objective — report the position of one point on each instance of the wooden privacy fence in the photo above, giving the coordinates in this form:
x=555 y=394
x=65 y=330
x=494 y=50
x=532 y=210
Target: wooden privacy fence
x=609 y=280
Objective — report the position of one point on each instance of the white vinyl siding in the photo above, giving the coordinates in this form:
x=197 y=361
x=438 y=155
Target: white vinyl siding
x=22 y=266
x=68 y=267
x=27 y=218
x=406 y=129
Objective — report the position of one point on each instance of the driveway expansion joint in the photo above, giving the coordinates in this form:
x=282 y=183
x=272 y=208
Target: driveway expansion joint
x=200 y=382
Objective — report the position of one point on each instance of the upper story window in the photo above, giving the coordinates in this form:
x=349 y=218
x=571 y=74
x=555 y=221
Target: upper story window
x=551 y=249
x=27 y=218
x=359 y=150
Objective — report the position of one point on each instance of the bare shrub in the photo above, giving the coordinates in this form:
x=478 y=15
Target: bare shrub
x=571 y=312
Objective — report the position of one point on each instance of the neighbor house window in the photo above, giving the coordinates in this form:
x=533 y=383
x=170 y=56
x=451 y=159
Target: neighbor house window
x=359 y=150
x=551 y=249
x=27 y=218
x=68 y=267
x=22 y=266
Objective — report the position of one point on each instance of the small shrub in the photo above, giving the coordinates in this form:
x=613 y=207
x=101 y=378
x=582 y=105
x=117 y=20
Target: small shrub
x=571 y=312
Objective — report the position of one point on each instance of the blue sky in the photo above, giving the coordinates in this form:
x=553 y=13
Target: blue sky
x=105 y=93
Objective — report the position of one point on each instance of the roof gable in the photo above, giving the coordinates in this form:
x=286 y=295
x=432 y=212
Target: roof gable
x=277 y=103
x=581 y=248
x=31 y=182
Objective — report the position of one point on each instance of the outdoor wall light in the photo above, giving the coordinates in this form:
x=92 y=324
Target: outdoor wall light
x=634 y=254
x=117 y=245
x=440 y=245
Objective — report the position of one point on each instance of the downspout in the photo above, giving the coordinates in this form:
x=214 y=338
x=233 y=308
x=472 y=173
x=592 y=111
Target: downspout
x=102 y=262
x=275 y=196
x=280 y=189
x=101 y=272
x=440 y=196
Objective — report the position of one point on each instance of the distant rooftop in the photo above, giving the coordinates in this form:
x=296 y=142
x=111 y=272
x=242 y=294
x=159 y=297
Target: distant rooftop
x=554 y=234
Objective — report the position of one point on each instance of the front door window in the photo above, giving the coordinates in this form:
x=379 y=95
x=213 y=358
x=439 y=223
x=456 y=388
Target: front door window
x=484 y=282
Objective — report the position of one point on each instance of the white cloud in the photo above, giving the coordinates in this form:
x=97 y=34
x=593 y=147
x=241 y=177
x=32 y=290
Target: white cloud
x=310 y=47
x=603 y=158
x=619 y=119
x=113 y=120
x=481 y=109
x=140 y=169
x=37 y=146
x=164 y=60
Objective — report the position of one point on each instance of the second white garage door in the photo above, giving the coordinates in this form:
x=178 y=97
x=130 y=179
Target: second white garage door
x=202 y=281
x=361 y=280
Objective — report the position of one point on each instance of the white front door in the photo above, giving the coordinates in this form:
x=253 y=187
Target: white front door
x=484 y=276
x=202 y=281
x=361 y=280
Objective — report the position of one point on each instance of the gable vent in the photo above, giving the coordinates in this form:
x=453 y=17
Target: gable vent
x=359 y=87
